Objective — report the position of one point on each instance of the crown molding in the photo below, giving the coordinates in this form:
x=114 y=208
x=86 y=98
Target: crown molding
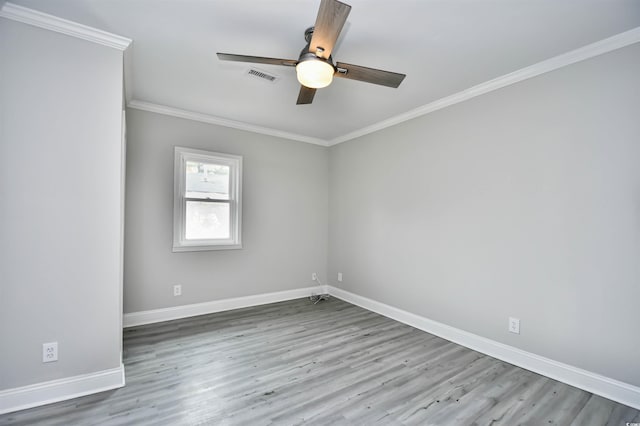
x=589 y=51
x=211 y=119
x=53 y=23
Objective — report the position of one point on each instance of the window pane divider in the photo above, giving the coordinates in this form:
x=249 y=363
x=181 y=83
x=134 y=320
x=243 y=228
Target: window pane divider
x=207 y=200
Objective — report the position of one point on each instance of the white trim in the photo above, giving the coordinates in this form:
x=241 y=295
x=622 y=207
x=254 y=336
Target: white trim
x=123 y=179
x=60 y=390
x=53 y=23
x=212 y=119
x=185 y=311
x=234 y=162
x=595 y=49
x=615 y=390
x=211 y=247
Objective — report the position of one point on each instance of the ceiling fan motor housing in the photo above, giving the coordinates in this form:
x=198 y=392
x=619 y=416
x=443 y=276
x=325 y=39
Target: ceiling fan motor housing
x=306 y=54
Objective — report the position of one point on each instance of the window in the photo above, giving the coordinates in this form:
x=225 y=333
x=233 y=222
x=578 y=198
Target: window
x=207 y=200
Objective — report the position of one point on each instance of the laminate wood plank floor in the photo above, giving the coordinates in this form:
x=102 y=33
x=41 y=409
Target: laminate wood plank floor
x=332 y=363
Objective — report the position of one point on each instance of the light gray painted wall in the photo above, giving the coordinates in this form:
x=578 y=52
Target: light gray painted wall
x=284 y=233
x=523 y=202
x=60 y=165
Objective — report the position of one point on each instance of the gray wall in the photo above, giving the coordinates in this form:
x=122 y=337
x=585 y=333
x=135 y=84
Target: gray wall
x=523 y=202
x=284 y=225
x=60 y=217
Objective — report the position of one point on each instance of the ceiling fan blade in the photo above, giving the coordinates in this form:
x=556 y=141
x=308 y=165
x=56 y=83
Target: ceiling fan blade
x=331 y=18
x=306 y=95
x=256 y=59
x=369 y=75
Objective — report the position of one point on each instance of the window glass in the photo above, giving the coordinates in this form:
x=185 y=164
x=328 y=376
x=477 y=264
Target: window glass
x=206 y=180
x=206 y=220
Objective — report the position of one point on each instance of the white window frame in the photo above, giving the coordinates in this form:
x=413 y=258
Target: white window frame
x=181 y=156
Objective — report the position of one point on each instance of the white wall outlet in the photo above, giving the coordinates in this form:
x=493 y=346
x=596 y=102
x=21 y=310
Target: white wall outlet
x=50 y=352
x=314 y=276
x=177 y=290
x=514 y=325
x=339 y=277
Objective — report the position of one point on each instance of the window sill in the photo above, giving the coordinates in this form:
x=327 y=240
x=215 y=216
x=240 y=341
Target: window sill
x=178 y=249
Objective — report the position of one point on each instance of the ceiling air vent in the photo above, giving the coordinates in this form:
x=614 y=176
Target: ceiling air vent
x=263 y=75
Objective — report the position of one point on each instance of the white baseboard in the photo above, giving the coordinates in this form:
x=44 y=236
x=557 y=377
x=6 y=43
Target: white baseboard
x=615 y=390
x=185 y=311
x=60 y=390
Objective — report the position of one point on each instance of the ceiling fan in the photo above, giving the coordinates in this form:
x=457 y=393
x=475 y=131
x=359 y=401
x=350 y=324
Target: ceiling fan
x=315 y=68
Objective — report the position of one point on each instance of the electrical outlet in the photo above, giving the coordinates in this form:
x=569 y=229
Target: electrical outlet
x=177 y=290
x=514 y=325
x=339 y=277
x=50 y=352
x=314 y=276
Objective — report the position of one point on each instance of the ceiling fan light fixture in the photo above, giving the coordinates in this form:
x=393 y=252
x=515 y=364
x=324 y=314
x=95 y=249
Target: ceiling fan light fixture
x=315 y=73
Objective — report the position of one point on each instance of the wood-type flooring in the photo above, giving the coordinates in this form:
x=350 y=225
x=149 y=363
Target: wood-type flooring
x=332 y=363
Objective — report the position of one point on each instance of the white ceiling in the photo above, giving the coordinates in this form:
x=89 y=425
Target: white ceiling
x=444 y=47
